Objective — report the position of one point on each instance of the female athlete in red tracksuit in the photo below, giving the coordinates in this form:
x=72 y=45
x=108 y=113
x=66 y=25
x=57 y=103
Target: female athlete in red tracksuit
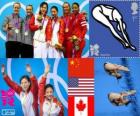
x=27 y=91
x=49 y=105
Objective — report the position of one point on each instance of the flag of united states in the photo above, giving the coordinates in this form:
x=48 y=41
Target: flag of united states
x=81 y=86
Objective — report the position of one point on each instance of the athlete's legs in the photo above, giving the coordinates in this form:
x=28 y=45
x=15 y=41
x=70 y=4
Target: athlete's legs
x=118 y=18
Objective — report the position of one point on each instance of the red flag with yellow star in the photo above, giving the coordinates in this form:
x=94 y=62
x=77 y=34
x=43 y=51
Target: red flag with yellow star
x=81 y=67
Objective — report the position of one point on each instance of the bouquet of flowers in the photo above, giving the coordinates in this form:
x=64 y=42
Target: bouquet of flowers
x=40 y=18
x=59 y=47
x=75 y=42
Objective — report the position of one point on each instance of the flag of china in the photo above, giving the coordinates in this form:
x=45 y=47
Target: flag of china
x=80 y=67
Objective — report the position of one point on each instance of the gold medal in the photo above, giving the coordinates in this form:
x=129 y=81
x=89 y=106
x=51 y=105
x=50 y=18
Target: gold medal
x=66 y=30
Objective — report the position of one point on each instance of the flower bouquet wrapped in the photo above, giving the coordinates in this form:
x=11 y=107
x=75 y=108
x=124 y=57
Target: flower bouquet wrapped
x=59 y=47
x=75 y=42
x=40 y=18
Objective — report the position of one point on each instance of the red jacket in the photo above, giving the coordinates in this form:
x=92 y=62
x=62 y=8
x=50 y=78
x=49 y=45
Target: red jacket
x=79 y=25
x=68 y=21
x=18 y=90
x=42 y=84
x=32 y=25
x=49 y=30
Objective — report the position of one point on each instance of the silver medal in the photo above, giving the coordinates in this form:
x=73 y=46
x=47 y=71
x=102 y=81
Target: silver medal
x=16 y=31
x=26 y=33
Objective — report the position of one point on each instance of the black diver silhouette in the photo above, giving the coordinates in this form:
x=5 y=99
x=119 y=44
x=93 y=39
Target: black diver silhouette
x=105 y=14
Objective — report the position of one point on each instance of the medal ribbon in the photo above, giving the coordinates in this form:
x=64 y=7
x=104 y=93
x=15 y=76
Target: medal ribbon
x=16 y=22
x=53 y=24
x=26 y=24
x=74 y=20
x=66 y=21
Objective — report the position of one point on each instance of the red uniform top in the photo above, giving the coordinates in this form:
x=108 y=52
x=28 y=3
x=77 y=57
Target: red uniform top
x=49 y=30
x=79 y=25
x=32 y=25
x=18 y=90
x=68 y=21
x=42 y=97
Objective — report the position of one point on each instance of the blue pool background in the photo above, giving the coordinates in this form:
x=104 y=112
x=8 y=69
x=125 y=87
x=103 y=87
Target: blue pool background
x=16 y=68
x=105 y=83
x=6 y=9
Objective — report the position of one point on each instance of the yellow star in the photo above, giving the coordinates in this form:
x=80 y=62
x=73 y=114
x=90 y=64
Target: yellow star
x=72 y=62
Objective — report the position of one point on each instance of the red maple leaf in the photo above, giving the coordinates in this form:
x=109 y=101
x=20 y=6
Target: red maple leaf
x=81 y=106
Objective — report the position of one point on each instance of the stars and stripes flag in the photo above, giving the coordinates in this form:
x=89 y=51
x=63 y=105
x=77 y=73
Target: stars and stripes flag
x=81 y=87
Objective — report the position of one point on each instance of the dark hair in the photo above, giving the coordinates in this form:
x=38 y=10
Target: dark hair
x=55 y=7
x=113 y=101
x=108 y=71
x=105 y=64
x=66 y=3
x=41 y=5
x=17 y=3
x=118 y=104
x=75 y=3
x=30 y=6
x=119 y=77
x=108 y=95
x=27 y=78
x=49 y=86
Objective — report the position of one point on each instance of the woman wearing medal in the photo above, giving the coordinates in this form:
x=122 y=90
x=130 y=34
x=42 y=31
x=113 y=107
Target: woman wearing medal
x=49 y=105
x=55 y=35
x=27 y=35
x=68 y=21
x=79 y=30
x=38 y=24
x=27 y=91
x=12 y=27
